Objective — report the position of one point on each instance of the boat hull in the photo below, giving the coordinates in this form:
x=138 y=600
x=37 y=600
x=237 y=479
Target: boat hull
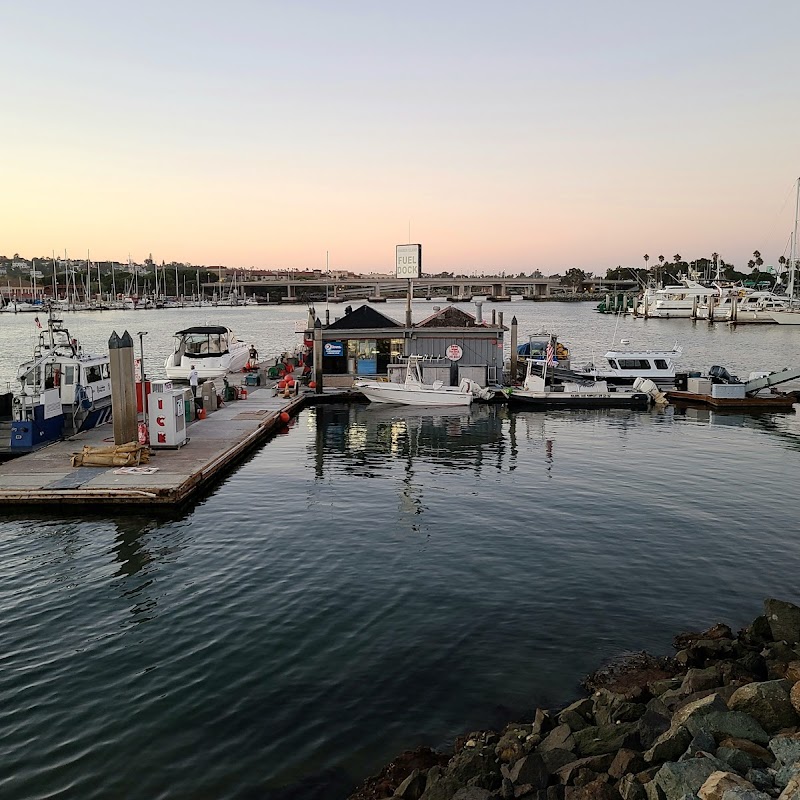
x=207 y=368
x=578 y=400
x=400 y=394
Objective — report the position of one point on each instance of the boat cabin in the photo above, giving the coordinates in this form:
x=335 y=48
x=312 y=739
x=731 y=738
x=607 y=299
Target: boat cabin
x=642 y=364
x=210 y=341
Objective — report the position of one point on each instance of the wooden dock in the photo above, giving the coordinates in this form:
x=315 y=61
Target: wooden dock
x=46 y=477
x=776 y=402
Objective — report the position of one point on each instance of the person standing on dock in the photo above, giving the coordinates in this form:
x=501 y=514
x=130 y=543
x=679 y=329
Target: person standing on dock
x=193 y=380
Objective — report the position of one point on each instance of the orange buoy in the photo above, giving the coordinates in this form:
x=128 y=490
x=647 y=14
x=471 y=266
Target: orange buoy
x=281 y=384
x=312 y=384
x=284 y=417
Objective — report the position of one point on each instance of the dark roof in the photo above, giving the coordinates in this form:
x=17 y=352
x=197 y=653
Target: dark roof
x=363 y=317
x=448 y=317
x=204 y=329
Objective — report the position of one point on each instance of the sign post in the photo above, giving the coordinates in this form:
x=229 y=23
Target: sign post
x=408 y=262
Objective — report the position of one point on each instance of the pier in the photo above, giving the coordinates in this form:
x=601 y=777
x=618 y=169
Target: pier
x=46 y=477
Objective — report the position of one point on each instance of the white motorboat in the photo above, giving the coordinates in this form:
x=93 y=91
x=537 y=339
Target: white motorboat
x=623 y=367
x=675 y=301
x=413 y=392
x=213 y=350
x=738 y=304
x=21 y=306
x=62 y=391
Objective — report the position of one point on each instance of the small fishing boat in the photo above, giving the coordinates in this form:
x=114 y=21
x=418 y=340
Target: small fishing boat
x=213 y=350
x=61 y=391
x=414 y=392
x=623 y=367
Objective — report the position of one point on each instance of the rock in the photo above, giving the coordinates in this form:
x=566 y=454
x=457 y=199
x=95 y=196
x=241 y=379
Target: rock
x=792 y=673
x=598 y=739
x=686 y=777
x=737 y=760
x=698 y=708
x=575 y=721
x=559 y=738
x=528 y=770
x=794 y=697
x=541 y=722
x=659 y=687
x=792 y=790
x=759 y=754
x=785 y=775
x=786 y=748
x=757 y=633
x=718 y=631
x=509 y=748
x=477 y=766
x=783 y=619
x=556 y=758
x=596 y=790
x=506 y=789
x=604 y=705
x=719 y=782
x=584 y=708
x=722 y=724
x=412 y=787
x=439 y=785
x=696 y=680
x=593 y=764
x=653 y=791
x=702 y=742
x=754 y=664
x=626 y=762
x=628 y=712
x=629 y=788
x=653 y=723
x=472 y=793
x=768 y=703
x=669 y=746
x=761 y=779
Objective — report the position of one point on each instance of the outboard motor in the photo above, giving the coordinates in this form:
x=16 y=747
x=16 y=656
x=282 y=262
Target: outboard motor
x=721 y=375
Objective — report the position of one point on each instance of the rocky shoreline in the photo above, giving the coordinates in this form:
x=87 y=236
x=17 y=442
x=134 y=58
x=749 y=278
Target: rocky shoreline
x=718 y=721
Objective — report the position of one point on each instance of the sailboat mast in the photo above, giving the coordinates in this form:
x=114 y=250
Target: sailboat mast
x=793 y=251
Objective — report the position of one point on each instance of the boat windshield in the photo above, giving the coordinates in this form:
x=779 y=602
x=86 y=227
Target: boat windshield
x=204 y=345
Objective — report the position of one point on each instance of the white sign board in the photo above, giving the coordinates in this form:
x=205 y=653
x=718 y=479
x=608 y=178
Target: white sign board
x=409 y=261
x=51 y=400
x=454 y=352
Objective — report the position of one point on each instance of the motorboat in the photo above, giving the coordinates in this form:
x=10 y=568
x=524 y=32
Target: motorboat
x=213 y=350
x=581 y=392
x=414 y=392
x=623 y=367
x=21 y=306
x=675 y=301
x=745 y=305
x=61 y=391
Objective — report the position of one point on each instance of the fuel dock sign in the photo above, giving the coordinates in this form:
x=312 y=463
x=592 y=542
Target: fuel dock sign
x=409 y=261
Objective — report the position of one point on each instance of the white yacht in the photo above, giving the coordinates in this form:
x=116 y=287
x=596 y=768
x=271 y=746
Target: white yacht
x=623 y=367
x=213 y=350
x=675 y=301
x=745 y=305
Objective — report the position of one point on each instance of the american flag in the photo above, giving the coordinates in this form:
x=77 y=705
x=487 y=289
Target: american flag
x=550 y=353
x=38 y=324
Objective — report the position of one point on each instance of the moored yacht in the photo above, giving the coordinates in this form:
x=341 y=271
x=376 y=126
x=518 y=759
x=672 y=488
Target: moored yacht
x=213 y=350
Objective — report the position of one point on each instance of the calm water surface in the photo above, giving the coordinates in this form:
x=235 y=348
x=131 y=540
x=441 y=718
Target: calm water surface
x=375 y=579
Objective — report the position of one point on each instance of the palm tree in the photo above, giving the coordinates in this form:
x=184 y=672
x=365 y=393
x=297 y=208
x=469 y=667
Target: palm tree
x=646 y=259
x=677 y=259
x=757 y=258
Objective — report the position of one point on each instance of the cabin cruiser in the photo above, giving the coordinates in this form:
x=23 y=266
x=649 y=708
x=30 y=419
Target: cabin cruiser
x=414 y=392
x=745 y=305
x=623 y=367
x=213 y=350
x=61 y=391
x=675 y=301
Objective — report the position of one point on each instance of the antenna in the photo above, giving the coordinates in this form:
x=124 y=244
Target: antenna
x=409 y=231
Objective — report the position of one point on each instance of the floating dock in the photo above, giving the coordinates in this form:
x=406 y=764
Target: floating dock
x=777 y=402
x=46 y=477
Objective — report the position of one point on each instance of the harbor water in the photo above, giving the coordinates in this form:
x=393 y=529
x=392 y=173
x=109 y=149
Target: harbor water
x=373 y=579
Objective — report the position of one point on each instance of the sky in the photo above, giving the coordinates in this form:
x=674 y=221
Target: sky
x=506 y=136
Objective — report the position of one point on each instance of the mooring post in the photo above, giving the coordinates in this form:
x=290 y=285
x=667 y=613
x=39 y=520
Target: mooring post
x=123 y=388
x=694 y=307
x=318 y=355
x=514 y=354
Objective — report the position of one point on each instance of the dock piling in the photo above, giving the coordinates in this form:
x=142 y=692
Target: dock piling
x=318 y=355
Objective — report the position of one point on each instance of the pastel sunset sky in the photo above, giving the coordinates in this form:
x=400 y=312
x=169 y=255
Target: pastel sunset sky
x=510 y=135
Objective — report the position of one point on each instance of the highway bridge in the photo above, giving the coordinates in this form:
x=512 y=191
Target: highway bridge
x=374 y=288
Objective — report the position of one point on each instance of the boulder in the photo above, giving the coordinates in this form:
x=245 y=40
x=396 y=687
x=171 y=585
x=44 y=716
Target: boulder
x=786 y=748
x=702 y=742
x=761 y=779
x=686 y=777
x=757 y=633
x=721 y=724
x=596 y=790
x=659 y=687
x=759 y=754
x=412 y=787
x=792 y=673
x=768 y=702
x=699 y=708
x=477 y=766
x=559 y=738
x=669 y=746
x=792 y=790
x=604 y=705
x=599 y=739
x=626 y=762
x=509 y=748
x=439 y=785
x=556 y=758
x=473 y=793
x=653 y=723
x=530 y=770
x=541 y=722
x=584 y=709
x=630 y=788
x=784 y=620
x=696 y=679
x=719 y=782
x=794 y=697
x=593 y=764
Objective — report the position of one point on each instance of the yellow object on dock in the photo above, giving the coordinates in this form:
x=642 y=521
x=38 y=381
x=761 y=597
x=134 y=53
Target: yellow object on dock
x=123 y=455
